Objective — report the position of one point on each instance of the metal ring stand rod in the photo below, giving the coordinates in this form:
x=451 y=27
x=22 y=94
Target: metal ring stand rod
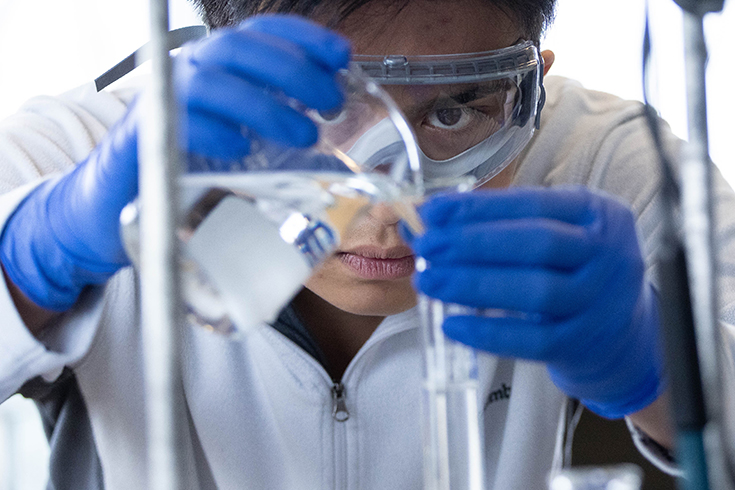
x=687 y=275
x=698 y=208
x=699 y=237
x=701 y=444
x=158 y=272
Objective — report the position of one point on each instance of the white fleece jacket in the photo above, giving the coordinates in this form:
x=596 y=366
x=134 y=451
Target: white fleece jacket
x=260 y=409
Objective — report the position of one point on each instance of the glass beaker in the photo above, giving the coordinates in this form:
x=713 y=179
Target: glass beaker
x=251 y=231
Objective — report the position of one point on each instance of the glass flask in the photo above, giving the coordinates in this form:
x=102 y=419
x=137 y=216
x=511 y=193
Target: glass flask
x=251 y=231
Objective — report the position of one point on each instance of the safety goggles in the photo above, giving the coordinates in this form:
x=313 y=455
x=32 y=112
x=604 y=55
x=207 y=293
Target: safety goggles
x=472 y=113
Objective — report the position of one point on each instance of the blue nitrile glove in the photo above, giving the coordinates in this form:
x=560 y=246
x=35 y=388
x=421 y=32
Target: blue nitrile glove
x=566 y=259
x=65 y=234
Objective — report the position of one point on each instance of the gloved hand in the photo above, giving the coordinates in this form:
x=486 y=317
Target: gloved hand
x=65 y=234
x=568 y=263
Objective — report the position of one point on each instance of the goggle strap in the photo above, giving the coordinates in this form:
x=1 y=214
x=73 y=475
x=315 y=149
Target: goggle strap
x=176 y=39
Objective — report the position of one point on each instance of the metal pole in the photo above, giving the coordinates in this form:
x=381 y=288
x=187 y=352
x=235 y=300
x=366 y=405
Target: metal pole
x=699 y=225
x=158 y=271
x=697 y=205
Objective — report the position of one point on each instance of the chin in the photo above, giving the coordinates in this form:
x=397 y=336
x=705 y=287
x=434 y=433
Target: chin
x=368 y=299
x=382 y=309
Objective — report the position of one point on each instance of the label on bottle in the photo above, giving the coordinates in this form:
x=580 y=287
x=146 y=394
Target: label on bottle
x=243 y=255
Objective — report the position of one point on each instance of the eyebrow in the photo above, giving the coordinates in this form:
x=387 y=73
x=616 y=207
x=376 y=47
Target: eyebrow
x=463 y=96
x=478 y=91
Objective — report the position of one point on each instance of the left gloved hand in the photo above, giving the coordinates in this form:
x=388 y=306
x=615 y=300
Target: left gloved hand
x=567 y=260
x=65 y=234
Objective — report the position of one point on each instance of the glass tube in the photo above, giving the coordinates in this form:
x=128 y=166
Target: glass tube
x=453 y=446
x=278 y=212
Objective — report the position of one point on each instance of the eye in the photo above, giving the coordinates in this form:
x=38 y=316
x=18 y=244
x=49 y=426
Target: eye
x=449 y=118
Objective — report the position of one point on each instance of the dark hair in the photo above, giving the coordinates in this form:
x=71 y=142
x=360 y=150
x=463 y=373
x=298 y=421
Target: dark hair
x=534 y=16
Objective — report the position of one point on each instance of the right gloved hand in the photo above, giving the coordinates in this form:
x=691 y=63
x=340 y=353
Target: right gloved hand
x=568 y=260
x=65 y=234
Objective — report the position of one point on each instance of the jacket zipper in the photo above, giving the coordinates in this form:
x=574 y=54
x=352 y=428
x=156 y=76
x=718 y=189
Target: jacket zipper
x=340 y=412
x=339 y=405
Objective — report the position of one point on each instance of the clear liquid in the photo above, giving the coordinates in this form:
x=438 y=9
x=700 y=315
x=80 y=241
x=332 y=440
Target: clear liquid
x=453 y=447
x=250 y=240
x=452 y=437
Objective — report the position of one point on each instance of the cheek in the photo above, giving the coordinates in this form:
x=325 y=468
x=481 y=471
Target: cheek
x=504 y=179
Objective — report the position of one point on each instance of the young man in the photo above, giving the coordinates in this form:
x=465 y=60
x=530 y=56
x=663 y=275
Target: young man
x=260 y=410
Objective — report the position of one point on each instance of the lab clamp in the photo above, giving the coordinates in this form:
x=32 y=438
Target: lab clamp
x=697 y=348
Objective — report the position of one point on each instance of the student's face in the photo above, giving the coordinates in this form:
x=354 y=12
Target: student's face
x=371 y=272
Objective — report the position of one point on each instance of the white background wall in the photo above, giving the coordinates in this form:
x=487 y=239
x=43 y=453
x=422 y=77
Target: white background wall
x=600 y=44
x=48 y=46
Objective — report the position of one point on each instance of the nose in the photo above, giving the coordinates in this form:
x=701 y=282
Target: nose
x=384 y=214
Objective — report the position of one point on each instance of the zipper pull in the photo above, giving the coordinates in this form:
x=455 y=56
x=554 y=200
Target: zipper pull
x=339 y=407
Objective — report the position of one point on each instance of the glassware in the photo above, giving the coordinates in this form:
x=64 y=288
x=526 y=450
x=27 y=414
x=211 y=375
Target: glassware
x=453 y=443
x=453 y=439
x=251 y=231
x=617 y=477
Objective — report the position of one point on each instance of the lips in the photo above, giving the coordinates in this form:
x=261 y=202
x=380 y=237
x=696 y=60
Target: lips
x=379 y=264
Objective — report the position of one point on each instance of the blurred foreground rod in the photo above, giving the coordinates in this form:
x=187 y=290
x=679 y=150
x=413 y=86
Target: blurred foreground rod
x=699 y=237
x=160 y=298
x=687 y=279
